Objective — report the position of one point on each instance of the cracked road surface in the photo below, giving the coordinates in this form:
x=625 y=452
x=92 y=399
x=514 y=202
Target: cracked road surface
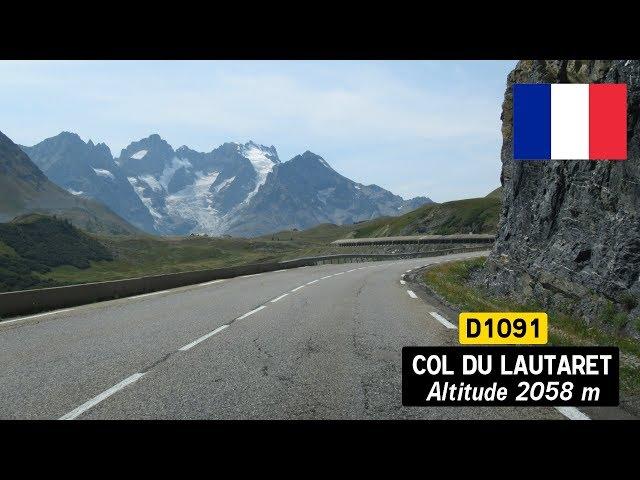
x=320 y=342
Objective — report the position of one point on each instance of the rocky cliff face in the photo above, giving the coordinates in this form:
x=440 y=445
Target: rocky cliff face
x=569 y=233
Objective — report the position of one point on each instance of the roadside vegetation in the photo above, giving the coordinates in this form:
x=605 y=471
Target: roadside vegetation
x=39 y=251
x=452 y=282
x=30 y=246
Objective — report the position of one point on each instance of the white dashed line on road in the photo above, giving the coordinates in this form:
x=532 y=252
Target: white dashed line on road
x=352 y=270
x=211 y=283
x=411 y=294
x=313 y=281
x=336 y=274
x=443 y=320
x=328 y=276
x=297 y=288
x=572 y=413
x=202 y=338
x=251 y=312
x=148 y=294
x=279 y=298
x=104 y=395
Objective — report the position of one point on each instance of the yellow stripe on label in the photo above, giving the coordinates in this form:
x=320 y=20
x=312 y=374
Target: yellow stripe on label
x=503 y=328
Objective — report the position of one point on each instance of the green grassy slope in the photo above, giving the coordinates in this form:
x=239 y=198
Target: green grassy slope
x=472 y=215
x=497 y=193
x=140 y=256
x=31 y=245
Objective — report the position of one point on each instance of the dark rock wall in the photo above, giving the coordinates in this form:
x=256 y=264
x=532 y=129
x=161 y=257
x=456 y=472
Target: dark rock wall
x=569 y=233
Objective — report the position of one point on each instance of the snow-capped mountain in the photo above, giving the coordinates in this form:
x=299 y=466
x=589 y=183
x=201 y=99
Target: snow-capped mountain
x=241 y=189
x=306 y=191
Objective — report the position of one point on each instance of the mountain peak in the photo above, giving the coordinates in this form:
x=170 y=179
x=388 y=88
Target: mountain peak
x=253 y=151
x=65 y=136
x=310 y=158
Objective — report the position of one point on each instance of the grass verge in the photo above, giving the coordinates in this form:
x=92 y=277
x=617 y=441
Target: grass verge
x=451 y=281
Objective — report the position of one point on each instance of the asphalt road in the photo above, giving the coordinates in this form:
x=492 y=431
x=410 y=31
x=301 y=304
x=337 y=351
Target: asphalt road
x=311 y=343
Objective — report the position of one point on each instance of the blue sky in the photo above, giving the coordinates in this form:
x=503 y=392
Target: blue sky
x=414 y=127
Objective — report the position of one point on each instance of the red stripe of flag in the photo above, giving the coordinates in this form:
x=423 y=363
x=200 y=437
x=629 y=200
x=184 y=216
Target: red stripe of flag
x=608 y=121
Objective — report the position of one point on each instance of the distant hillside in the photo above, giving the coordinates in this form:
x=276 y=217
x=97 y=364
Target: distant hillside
x=32 y=244
x=472 y=215
x=25 y=189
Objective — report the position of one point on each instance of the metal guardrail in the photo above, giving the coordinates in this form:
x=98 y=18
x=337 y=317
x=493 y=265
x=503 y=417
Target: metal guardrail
x=416 y=240
x=368 y=257
x=24 y=302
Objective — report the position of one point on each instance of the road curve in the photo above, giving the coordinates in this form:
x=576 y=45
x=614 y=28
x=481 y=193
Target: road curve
x=318 y=342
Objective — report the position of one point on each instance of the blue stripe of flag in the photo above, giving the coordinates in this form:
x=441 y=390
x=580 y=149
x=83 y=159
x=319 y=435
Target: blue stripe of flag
x=531 y=121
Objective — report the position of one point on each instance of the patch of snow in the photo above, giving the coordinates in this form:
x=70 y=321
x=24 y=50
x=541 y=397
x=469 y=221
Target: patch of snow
x=139 y=155
x=194 y=202
x=74 y=192
x=357 y=187
x=262 y=165
x=139 y=189
x=104 y=173
x=626 y=64
x=324 y=163
x=152 y=181
x=171 y=169
x=224 y=184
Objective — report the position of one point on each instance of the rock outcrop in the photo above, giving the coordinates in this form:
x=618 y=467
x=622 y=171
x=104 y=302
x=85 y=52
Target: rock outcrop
x=569 y=233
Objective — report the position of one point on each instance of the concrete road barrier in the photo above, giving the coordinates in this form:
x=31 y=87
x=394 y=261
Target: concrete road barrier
x=25 y=302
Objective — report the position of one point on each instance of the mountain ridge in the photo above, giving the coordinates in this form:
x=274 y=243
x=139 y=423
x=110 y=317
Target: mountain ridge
x=24 y=188
x=177 y=192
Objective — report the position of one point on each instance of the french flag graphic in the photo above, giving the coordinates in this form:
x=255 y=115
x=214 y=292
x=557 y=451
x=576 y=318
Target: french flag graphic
x=570 y=121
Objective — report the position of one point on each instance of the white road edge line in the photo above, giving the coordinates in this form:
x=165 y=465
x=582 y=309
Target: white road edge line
x=443 y=320
x=352 y=270
x=572 y=413
x=328 y=276
x=251 y=312
x=279 y=298
x=297 y=288
x=104 y=395
x=411 y=294
x=336 y=274
x=188 y=346
x=312 y=281
x=8 y=322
